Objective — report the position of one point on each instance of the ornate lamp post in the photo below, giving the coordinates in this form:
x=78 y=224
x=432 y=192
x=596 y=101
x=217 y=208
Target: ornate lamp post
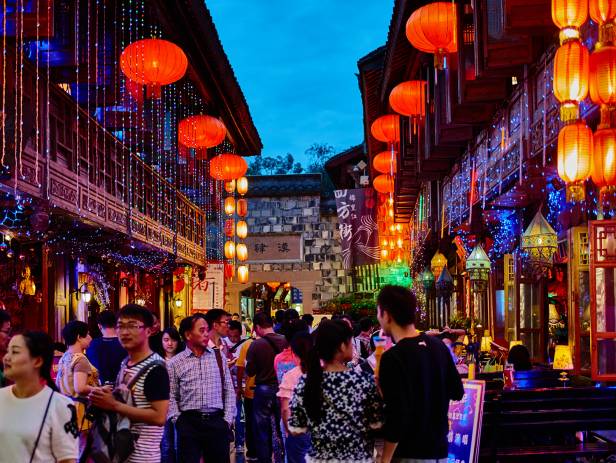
x=438 y=262
x=427 y=279
x=539 y=244
x=444 y=288
x=478 y=268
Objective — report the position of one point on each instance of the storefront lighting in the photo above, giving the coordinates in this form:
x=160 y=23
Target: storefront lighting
x=178 y=303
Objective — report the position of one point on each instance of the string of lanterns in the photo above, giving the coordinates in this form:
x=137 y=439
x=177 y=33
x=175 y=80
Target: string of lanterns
x=236 y=250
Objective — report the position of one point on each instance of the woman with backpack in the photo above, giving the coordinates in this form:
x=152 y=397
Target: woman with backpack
x=340 y=407
x=38 y=424
x=76 y=376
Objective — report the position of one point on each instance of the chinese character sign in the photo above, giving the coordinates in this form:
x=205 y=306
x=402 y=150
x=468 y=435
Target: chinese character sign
x=275 y=248
x=357 y=225
x=465 y=418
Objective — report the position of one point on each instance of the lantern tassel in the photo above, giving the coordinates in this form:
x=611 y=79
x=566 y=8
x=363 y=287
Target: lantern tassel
x=575 y=192
x=569 y=112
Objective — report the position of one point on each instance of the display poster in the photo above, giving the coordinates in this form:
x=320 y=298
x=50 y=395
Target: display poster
x=465 y=417
x=209 y=292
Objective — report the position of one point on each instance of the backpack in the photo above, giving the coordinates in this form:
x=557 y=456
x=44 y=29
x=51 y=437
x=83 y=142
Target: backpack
x=110 y=439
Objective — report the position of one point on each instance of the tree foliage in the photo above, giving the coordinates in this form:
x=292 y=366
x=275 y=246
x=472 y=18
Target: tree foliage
x=274 y=165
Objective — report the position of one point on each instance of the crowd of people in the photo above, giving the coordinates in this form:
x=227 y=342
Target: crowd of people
x=284 y=391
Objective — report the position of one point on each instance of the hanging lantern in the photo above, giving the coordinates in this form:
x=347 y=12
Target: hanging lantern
x=409 y=98
x=241 y=251
x=242 y=274
x=227 y=166
x=603 y=12
x=478 y=268
x=571 y=66
x=384 y=254
x=386 y=128
x=569 y=15
x=230 y=186
x=242 y=207
x=241 y=229
x=444 y=283
x=438 y=262
x=242 y=185
x=229 y=228
x=539 y=244
x=201 y=131
x=574 y=153
x=427 y=279
x=603 y=75
x=433 y=29
x=229 y=205
x=383 y=183
x=603 y=171
x=385 y=163
x=229 y=270
x=153 y=62
x=229 y=249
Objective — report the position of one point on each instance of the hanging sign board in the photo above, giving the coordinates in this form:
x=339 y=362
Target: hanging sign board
x=275 y=248
x=465 y=417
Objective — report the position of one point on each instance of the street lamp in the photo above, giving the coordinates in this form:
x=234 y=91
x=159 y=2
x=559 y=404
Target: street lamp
x=539 y=244
x=478 y=268
x=84 y=293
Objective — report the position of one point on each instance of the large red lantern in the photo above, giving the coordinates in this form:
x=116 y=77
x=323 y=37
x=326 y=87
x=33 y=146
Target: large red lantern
x=569 y=15
x=385 y=162
x=386 y=128
x=571 y=66
x=603 y=171
x=227 y=166
x=201 y=131
x=383 y=183
x=409 y=98
x=603 y=75
x=153 y=62
x=432 y=29
x=575 y=145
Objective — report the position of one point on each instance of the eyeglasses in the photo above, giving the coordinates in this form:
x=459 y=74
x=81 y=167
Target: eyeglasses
x=129 y=327
x=222 y=322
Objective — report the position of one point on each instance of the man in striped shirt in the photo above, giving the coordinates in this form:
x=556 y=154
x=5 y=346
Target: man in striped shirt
x=202 y=399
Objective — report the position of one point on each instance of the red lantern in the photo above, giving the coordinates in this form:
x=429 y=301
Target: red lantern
x=153 y=62
x=227 y=166
x=603 y=12
x=242 y=207
x=571 y=65
x=432 y=29
x=242 y=274
x=383 y=162
x=569 y=15
x=229 y=249
x=603 y=75
x=603 y=170
x=409 y=98
x=386 y=128
x=575 y=145
x=383 y=183
x=201 y=131
x=229 y=228
x=229 y=271
x=179 y=284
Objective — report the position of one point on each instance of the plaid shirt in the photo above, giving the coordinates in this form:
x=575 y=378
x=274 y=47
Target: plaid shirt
x=195 y=385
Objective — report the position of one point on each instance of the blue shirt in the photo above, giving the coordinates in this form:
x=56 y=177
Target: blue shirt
x=106 y=354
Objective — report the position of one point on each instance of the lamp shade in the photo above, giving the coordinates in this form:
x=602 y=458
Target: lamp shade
x=432 y=29
x=409 y=98
x=242 y=274
x=539 y=243
x=227 y=166
x=385 y=163
x=241 y=229
x=242 y=207
x=229 y=249
x=563 y=359
x=478 y=267
x=383 y=183
x=386 y=128
x=242 y=185
x=153 y=62
x=603 y=75
x=201 y=131
x=444 y=283
x=569 y=15
x=603 y=171
x=229 y=205
x=575 y=145
x=571 y=68
x=437 y=263
x=427 y=278
x=241 y=251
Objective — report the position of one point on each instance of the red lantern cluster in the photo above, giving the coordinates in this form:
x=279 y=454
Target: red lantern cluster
x=228 y=166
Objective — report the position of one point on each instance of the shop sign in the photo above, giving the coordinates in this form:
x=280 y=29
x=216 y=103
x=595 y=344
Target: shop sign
x=209 y=292
x=465 y=417
x=275 y=248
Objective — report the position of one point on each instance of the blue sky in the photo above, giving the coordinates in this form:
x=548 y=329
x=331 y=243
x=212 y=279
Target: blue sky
x=296 y=63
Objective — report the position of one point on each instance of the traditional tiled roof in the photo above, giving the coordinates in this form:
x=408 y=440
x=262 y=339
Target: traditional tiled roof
x=284 y=185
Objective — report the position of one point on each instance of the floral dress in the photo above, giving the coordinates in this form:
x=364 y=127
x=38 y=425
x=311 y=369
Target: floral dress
x=352 y=409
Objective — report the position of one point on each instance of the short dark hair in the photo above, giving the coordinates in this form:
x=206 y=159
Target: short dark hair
x=59 y=346
x=214 y=315
x=280 y=314
x=235 y=325
x=308 y=318
x=72 y=330
x=292 y=328
x=520 y=358
x=291 y=314
x=107 y=319
x=399 y=302
x=188 y=323
x=365 y=324
x=5 y=317
x=263 y=320
x=137 y=312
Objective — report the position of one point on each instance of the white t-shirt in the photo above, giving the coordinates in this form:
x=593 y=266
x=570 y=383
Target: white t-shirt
x=21 y=421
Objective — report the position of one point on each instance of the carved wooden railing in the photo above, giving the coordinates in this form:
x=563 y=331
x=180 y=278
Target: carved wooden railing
x=99 y=178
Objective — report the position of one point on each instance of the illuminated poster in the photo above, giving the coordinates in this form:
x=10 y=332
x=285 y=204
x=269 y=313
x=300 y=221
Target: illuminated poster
x=465 y=418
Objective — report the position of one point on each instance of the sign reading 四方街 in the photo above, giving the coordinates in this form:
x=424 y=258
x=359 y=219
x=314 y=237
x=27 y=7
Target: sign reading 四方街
x=275 y=248
x=465 y=418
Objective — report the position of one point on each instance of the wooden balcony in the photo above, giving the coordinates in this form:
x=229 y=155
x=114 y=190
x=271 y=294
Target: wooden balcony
x=82 y=170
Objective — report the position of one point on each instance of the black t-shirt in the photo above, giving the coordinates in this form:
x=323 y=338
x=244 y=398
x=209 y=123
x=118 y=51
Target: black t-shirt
x=260 y=358
x=156 y=385
x=418 y=379
x=106 y=354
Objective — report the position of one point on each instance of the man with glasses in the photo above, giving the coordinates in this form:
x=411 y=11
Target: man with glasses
x=5 y=337
x=202 y=402
x=147 y=410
